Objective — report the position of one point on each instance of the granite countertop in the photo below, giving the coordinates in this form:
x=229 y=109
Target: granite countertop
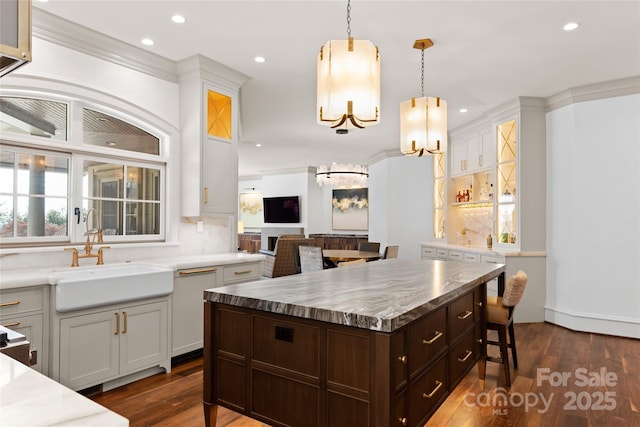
x=382 y=295
x=28 y=398
x=19 y=278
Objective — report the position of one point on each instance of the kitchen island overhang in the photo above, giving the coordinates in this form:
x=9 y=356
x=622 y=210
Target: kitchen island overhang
x=352 y=340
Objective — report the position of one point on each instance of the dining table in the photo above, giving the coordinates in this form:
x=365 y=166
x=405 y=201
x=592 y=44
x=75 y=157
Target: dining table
x=339 y=255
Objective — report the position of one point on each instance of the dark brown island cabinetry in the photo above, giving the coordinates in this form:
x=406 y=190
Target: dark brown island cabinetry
x=288 y=370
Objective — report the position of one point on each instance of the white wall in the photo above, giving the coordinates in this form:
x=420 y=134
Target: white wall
x=593 y=220
x=401 y=203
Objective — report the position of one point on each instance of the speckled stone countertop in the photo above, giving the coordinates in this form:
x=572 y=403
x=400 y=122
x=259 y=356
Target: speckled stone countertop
x=381 y=295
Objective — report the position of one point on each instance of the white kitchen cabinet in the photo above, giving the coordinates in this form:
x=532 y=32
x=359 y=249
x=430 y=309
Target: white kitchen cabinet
x=24 y=310
x=103 y=344
x=188 y=309
x=188 y=312
x=472 y=152
x=209 y=109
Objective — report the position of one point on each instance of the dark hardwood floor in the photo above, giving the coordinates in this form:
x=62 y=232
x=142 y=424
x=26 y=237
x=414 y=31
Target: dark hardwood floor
x=601 y=388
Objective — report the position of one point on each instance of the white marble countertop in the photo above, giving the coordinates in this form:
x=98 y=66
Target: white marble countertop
x=481 y=249
x=28 y=398
x=382 y=295
x=19 y=278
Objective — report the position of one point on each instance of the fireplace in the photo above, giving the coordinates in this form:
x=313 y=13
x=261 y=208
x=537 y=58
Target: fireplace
x=269 y=235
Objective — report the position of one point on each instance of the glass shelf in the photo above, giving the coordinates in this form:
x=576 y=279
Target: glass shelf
x=475 y=204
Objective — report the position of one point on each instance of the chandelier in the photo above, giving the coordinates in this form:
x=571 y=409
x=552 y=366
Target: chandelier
x=423 y=121
x=341 y=175
x=348 y=82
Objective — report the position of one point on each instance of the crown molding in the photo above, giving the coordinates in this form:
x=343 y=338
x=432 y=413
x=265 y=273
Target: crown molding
x=593 y=92
x=54 y=29
x=201 y=67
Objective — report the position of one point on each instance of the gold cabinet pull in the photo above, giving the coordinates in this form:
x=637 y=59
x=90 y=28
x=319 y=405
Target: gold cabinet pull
x=242 y=272
x=468 y=355
x=402 y=359
x=432 y=340
x=7 y=304
x=434 y=391
x=117 y=323
x=206 y=195
x=464 y=315
x=124 y=314
x=402 y=421
x=197 y=270
x=9 y=325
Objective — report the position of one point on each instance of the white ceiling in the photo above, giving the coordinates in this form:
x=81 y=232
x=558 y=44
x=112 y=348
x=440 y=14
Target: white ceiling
x=485 y=53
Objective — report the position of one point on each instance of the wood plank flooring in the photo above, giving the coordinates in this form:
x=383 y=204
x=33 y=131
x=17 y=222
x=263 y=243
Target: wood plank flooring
x=534 y=399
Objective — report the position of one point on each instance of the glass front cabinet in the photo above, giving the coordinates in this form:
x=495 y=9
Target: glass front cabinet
x=490 y=159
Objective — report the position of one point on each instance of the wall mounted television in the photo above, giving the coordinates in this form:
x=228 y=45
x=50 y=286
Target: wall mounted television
x=281 y=209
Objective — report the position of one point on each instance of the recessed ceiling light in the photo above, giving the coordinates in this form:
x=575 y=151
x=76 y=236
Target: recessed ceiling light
x=259 y=59
x=258 y=145
x=147 y=42
x=463 y=110
x=178 y=19
x=570 y=26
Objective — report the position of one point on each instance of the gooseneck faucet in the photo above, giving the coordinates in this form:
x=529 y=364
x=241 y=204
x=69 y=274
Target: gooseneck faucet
x=92 y=235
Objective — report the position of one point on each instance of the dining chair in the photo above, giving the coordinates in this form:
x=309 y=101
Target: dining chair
x=391 y=252
x=310 y=258
x=500 y=318
x=369 y=246
x=349 y=263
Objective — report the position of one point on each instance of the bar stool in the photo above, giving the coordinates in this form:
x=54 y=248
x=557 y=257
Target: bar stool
x=500 y=318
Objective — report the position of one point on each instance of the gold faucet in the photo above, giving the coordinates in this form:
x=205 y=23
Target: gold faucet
x=92 y=236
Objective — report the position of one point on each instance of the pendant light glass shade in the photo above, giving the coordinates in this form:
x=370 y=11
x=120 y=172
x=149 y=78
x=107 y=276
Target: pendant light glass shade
x=423 y=126
x=348 y=83
x=423 y=121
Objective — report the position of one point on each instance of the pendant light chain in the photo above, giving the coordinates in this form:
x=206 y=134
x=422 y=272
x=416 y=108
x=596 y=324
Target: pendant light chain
x=349 y=18
x=422 y=75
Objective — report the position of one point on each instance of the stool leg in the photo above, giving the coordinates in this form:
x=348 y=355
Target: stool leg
x=504 y=350
x=512 y=337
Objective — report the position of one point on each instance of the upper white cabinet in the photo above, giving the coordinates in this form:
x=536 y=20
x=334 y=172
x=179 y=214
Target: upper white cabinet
x=209 y=109
x=472 y=152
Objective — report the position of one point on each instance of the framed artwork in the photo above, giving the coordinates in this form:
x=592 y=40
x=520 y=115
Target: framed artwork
x=251 y=210
x=350 y=209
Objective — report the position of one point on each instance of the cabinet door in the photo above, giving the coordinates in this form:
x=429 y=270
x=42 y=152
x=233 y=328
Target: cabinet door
x=89 y=348
x=458 y=157
x=188 y=313
x=219 y=176
x=473 y=154
x=487 y=150
x=143 y=335
x=31 y=327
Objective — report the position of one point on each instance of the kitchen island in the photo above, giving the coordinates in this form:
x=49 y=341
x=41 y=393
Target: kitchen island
x=379 y=344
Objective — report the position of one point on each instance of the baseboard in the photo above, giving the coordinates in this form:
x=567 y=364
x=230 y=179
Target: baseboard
x=587 y=322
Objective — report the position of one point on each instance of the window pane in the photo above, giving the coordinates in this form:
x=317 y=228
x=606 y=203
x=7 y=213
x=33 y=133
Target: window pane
x=6 y=171
x=102 y=180
x=41 y=216
x=42 y=174
x=143 y=218
x=107 y=131
x=34 y=117
x=143 y=183
x=6 y=216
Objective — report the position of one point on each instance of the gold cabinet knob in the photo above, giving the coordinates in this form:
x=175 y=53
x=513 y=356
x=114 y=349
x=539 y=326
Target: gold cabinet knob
x=402 y=359
x=402 y=421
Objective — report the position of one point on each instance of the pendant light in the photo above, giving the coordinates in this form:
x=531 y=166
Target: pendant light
x=423 y=121
x=348 y=82
x=342 y=175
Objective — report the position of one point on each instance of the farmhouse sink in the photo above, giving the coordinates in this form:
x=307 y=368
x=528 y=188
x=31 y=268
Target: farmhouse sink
x=87 y=287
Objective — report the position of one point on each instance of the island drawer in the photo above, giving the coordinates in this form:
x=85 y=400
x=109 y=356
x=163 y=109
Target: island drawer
x=455 y=255
x=240 y=273
x=462 y=356
x=290 y=345
x=442 y=253
x=427 y=338
x=461 y=316
x=427 y=392
x=21 y=301
x=471 y=257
